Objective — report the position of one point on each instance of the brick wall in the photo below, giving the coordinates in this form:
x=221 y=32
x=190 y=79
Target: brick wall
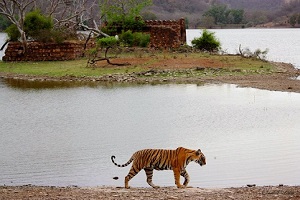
x=166 y=33
x=37 y=51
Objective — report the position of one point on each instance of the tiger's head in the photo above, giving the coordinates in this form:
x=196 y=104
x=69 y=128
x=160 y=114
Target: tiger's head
x=200 y=158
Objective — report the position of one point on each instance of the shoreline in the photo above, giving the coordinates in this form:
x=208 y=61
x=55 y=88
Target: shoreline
x=111 y=193
x=283 y=79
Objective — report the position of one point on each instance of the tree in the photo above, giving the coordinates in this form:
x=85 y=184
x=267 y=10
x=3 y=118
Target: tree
x=15 y=11
x=69 y=14
x=293 y=19
x=208 y=21
x=237 y=15
x=218 y=12
x=34 y=23
x=125 y=13
x=73 y=14
x=4 y=22
x=104 y=43
x=207 y=42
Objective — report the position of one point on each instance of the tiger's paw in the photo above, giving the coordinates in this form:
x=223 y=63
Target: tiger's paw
x=181 y=186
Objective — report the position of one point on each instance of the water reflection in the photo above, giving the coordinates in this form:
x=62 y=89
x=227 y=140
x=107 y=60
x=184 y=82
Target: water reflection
x=48 y=84
x=66 y=136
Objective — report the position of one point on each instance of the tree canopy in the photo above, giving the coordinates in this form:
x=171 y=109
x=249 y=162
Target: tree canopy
x=120 y=10
x=123 y=13
x=222 y=15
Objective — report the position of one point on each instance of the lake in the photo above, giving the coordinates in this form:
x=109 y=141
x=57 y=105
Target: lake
x=282 y=43
x=66 y=135
x=56 y=133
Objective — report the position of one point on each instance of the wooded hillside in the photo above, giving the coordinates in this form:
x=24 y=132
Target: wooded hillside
x=256 y=11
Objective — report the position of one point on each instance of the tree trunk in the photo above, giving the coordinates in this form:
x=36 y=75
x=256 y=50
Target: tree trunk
x=23 y=40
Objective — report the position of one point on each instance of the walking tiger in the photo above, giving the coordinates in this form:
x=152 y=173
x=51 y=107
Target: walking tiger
x=163 y=159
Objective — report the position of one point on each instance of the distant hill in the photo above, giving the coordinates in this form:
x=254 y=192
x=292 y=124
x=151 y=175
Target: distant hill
x=262 y=10
x=261 y=5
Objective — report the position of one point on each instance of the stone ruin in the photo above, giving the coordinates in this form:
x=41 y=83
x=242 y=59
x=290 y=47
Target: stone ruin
x=38 y=51
x=164 y=34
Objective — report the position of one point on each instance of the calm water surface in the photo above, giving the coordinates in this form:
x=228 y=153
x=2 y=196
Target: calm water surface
x=65 y=135
x=283 y=44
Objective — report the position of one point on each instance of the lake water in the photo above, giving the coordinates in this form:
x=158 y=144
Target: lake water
x=283 y=44
x=65 y=135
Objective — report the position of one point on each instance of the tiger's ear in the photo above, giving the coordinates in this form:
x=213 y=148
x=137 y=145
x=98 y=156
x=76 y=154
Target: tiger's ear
x=198 y=152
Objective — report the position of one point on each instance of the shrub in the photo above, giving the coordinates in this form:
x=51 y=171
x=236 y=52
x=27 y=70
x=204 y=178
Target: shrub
x=207 y=42
x=57 y=35
x=107 y=42
x=135 y=39
x=13 y=32
x=36 y=26
x=127 y=38
x=35 y=22
x=141 y=39
x=136 y=24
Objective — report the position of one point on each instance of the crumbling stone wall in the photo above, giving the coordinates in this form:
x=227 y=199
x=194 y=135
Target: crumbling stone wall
x=37 y=51
x=166 y=33
x=163 y=34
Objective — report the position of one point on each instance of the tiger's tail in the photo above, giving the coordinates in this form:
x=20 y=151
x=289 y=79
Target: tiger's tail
x=124 y=165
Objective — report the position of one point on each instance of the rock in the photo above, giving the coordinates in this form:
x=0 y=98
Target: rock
x=251 y=185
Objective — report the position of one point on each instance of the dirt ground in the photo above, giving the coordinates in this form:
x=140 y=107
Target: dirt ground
x=110 y=193
x=285 y=79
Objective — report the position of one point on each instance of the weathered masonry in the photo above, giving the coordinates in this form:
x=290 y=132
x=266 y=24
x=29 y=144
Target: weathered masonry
x=166 y=33
x=38 y=51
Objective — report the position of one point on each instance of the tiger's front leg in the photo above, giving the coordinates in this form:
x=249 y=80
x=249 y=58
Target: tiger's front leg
x=177 y=178
x=186 y=177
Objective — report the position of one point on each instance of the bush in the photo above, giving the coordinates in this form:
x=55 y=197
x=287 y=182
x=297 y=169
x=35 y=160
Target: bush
x=13 y=32
x=136 y=24
x=207 y=42
x=135 y=39
x=107 y=42
x=58 y=35
x=36 y=26
x=127 y=38
x=141 y=39
x=35 y=22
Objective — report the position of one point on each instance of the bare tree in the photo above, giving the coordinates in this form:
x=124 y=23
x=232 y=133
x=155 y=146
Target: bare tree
x=73 y=14
x=67 y=13
x=15 y=11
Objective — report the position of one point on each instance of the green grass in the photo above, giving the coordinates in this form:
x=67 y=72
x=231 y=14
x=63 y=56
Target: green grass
x=61 y=68
x=232 y=65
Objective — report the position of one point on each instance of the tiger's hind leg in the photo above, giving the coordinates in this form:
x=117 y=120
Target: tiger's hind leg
x=132 y=172
x=186 y=177
x=149 y=174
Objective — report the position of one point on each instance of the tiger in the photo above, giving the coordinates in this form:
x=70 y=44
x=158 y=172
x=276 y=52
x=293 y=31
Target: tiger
x=162 y=159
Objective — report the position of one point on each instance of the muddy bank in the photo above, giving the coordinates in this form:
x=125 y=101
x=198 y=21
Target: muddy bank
x=110 y=193
x=284 y=78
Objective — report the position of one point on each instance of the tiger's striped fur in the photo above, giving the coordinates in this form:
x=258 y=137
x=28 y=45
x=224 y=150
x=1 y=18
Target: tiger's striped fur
x=162 y=159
